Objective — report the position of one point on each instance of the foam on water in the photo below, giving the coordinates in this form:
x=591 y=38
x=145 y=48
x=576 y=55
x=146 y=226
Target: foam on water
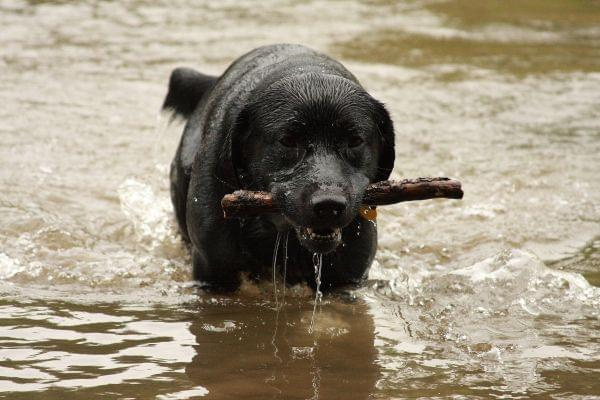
x=150 y=215
x=503 y=314
x=146 y=251
x=523 y=274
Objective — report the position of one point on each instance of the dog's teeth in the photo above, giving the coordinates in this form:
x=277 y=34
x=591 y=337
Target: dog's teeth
x=310 y=234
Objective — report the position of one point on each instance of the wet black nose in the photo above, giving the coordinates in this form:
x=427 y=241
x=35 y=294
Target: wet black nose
x=329 y=206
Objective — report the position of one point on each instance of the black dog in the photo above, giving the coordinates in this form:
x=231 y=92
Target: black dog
x=293 y=122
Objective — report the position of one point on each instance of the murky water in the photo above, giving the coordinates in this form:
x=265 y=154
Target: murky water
x=494 y=296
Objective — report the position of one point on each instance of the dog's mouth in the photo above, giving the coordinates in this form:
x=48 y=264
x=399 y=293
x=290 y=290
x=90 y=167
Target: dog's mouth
x=322 y=240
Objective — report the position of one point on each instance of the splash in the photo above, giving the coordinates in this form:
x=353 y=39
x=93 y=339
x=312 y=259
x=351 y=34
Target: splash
x=150 y=215
x=530 y=285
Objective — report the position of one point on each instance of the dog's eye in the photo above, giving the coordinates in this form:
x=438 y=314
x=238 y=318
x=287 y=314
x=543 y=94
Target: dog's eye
x=289 y=141
x=355 y=141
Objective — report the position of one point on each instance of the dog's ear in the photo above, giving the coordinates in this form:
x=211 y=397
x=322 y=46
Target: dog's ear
x=186 y=88
x=387 y=153
x=230 y=157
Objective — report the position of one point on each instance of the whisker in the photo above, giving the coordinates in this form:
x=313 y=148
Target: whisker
x=225 y=183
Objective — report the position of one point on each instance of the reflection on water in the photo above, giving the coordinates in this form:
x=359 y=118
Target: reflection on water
x=230 y=347
x=263 y=353
x=496 y=295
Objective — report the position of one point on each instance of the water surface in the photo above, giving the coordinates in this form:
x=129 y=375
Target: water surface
x=493 y=296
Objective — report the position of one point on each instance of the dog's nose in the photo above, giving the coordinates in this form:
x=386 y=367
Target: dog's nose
x=329 y=206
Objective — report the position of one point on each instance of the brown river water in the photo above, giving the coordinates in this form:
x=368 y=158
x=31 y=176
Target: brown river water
x=494 y=296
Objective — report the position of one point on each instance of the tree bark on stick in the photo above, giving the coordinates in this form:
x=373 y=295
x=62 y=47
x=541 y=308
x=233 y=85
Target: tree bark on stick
x=244 y=203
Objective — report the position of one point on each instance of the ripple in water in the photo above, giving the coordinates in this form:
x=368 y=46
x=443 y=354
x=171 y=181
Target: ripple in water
x=94 y=281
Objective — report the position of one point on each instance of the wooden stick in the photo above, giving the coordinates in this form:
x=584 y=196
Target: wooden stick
x=244 y=203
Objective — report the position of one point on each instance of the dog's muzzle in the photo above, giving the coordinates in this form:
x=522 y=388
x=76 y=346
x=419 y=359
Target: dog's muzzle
x=319 y=240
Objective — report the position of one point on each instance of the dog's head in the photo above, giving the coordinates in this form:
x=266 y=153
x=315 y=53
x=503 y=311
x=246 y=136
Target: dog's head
x=315 y=142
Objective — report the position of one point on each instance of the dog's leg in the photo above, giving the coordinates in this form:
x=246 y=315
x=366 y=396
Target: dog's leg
x=217 y=278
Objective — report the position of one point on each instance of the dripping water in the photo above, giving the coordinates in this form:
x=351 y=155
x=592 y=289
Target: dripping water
x=315 y=370
x=285 y=260
x=275 y=268
x=277 y=305
x=318 y=264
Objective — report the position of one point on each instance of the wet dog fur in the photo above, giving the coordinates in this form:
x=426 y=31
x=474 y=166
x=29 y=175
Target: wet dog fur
x=293 y=122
